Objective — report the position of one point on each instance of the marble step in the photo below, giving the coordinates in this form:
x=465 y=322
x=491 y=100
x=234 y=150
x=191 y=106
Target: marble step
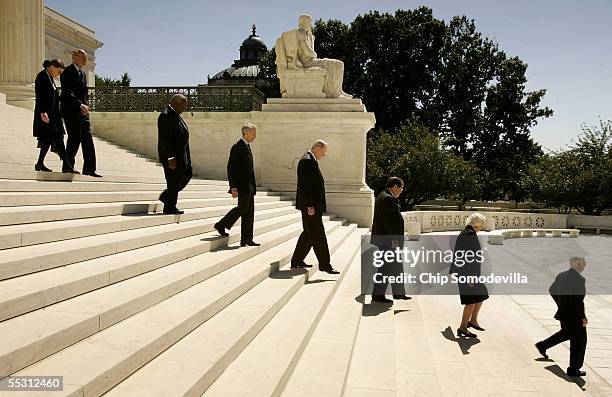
x=46 y=232
x=266 y=364
x=323 y=367
x=23 y=294
x=12 y=185
x=33 y=336
x=50 y=213
x=102 y=360
x=12 y=199
x=25 y=260
x=30 y=174
x=193 y=363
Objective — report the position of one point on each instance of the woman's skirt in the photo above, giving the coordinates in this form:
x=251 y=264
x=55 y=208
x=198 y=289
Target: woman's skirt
x=475 y=294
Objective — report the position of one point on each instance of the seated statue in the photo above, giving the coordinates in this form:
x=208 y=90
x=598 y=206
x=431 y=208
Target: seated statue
x=300 y=72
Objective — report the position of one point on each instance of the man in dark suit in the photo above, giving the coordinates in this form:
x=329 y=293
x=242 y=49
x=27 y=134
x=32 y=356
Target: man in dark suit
x=173 y=149
x=241 y=176
x=310 y=199
x=568 y=291
x=388 y=234
x=75 y=110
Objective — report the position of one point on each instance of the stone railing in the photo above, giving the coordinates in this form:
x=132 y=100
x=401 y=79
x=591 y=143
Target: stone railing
x=152 y=99
x=417 y=222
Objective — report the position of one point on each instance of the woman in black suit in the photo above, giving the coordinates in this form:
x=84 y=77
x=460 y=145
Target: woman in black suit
x=48 y=127
x=472 y=294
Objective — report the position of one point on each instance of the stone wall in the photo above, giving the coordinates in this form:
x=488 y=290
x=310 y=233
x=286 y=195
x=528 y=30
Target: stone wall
x=282 y=138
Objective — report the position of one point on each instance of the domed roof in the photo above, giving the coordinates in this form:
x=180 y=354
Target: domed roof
x=247 y=67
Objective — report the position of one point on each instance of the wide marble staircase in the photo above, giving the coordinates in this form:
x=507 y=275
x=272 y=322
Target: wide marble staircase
x=101 y=288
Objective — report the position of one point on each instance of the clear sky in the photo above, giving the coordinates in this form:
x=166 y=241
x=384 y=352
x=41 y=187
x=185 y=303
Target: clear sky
x=567 y=44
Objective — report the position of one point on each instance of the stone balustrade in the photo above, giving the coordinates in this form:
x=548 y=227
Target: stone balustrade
x=497 y=237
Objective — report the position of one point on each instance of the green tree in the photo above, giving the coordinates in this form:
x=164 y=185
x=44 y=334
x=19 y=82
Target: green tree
x=124 y=81
x=429 y=170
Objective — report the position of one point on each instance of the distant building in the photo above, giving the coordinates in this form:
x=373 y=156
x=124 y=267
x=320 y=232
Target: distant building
x=244 y=71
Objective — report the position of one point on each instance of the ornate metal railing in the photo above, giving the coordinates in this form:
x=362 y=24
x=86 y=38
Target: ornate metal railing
x=151 y=99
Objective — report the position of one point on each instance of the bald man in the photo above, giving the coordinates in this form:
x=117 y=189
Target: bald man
x=173 y=150
x=568 y=291
x=74 y=103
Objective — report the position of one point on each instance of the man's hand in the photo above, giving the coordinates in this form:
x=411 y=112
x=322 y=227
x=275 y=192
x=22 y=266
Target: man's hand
x=394 y=244
x=84 y=109
x=234 y=192
x=172 y=164
x=584 y=322
x=311 y=211
x=44 y=117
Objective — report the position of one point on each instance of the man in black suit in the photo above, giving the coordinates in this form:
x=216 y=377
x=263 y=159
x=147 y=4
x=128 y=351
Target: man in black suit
x=241 y=176
x=310 y=199
x=388 y=234
x=75 y=110
x=568 y=291
x=173 y=149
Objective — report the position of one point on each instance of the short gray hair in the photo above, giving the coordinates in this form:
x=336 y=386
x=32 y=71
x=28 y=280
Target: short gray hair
x=178 y=98
x=246 y=127
x=318 y=144
x=576 y=261
x=475 y=219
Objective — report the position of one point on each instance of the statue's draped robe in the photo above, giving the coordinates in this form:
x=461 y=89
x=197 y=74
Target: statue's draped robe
x=295 y=50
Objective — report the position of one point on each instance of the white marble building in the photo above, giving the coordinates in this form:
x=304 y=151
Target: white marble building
x=31 y=32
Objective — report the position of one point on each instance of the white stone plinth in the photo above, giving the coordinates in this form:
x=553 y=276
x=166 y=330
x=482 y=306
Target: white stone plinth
x=314 y=105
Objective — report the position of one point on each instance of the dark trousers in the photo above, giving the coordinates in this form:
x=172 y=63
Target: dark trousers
x=244 y=210
x=578 y=340
x=313 y=236
x=176 y=180
x=79 y=133
x=393 y=268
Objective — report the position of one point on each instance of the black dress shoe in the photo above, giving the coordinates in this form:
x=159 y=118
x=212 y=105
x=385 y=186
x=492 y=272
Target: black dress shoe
x=541 y=350
x=249 y=243
x=575 y=372
x=173 y=211
x=401 y=297
x=478 y=327
x=221 y=230
x=381 y=299
x=68 y=169
x=41 y=167
x=300 y=265
x=465 y=333
x=329 y=269
x=92 y=173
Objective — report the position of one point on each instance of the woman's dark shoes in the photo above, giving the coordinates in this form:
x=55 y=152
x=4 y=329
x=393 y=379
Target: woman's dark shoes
x=475 y=326
x=575 y=372
x=401 y=297
x=41 y=167
x=465 y=333
x=541 y=350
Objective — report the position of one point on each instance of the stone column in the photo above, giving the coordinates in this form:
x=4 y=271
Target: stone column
x=22 y=40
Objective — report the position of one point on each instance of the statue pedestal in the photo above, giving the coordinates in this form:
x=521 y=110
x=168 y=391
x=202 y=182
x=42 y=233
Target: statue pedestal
x=306 y=83
x=289 y=126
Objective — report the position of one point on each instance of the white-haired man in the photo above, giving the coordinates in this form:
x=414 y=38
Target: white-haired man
x=568 y=291
x=310 y=200
x=241 y=176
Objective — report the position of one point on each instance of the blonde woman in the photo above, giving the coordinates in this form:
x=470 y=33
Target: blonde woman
x=472 y=294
